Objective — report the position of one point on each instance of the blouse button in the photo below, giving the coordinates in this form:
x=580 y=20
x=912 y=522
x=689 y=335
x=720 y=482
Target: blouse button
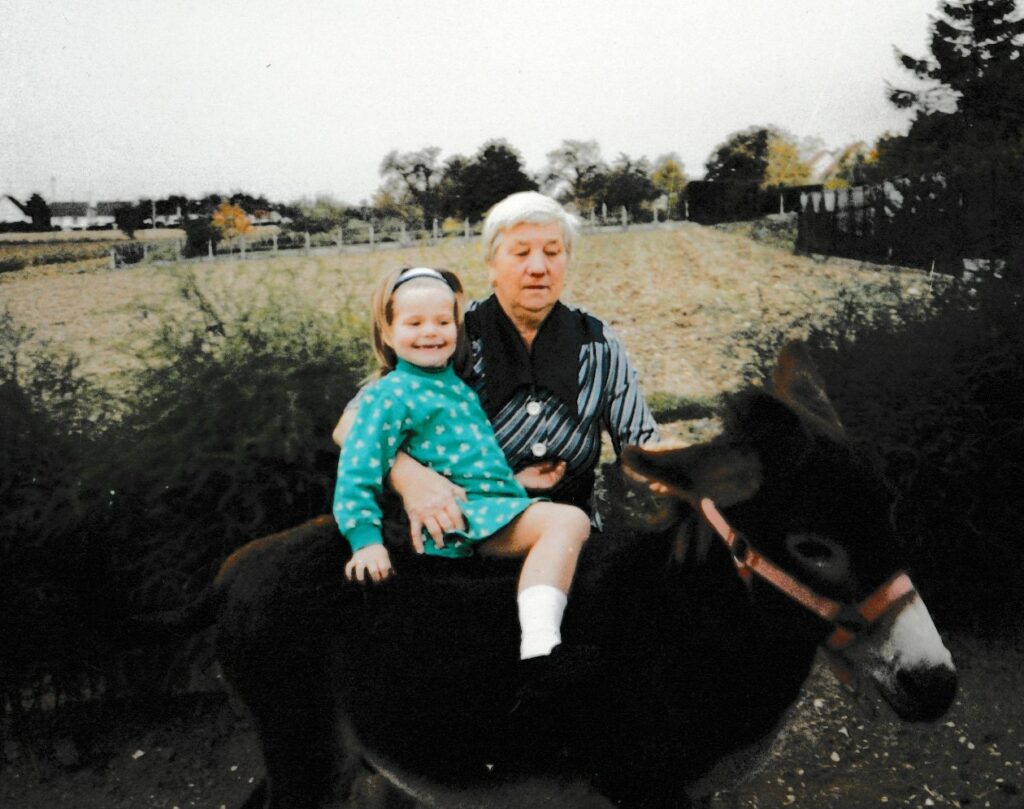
x=533 y=408
x=539 y=449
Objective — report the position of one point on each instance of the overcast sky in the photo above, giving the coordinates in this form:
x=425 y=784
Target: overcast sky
x=126 y=98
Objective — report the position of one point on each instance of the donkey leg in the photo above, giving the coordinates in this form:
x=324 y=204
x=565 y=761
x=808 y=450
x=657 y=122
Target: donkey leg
x=307 y=764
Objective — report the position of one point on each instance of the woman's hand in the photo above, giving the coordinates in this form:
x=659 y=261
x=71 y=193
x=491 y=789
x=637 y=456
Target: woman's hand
x=541 y=477
x=430 y=500
x=373 y=561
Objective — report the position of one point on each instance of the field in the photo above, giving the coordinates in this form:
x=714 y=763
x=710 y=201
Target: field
x=679 y=297
x=682 y=299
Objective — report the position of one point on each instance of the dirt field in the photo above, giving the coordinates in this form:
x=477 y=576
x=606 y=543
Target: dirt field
x=678 y=298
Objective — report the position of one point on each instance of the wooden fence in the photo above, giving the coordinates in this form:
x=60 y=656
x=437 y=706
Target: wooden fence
x=926 y=225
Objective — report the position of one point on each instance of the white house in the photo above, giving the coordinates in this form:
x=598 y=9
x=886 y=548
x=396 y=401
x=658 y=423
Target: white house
x=82 y=215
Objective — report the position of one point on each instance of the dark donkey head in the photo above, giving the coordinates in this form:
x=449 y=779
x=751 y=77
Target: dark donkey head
x=809 y=524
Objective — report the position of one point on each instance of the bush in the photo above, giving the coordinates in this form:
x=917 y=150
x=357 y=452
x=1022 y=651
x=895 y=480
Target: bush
x=936 y=387
x=11 y=264
x=199 y=235
x=223 y=437
x=51 y=581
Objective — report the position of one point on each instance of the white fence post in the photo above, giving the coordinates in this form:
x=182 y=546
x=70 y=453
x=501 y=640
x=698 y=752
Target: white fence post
x=625 y=218
x=113 y=258
x=308 y=241
x=274 y=237
x=433 y=231
x=209 y=249
x=371 y=235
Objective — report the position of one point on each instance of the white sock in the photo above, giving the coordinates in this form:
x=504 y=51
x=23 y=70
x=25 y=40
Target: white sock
x=540 y=619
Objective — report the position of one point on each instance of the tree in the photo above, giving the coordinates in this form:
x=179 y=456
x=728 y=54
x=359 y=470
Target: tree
x=766 y=155
x=969 y=110
x=743 y=157
x=130 y=218
x=852 y=166
x=785 y=165
x=231 y=220
x=319 y=215
x=200 y=236
x=966 y=139
x=628 y=185
x=576 y=173
x=669 y=178
x=37 y=209
x=418 y=175
x=473 y=186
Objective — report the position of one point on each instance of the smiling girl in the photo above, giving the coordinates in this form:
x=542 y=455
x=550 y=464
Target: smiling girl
x=420 y=406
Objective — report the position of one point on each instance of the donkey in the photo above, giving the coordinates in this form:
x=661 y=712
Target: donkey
x=778 y=542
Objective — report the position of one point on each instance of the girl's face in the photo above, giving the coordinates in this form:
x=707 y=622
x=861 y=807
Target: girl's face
x=423 y=330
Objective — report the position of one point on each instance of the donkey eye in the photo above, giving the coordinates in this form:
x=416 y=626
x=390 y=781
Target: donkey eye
x=822 y=555
x=813 y=550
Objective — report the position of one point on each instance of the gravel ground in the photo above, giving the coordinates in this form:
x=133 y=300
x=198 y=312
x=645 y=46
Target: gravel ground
x=201 y=751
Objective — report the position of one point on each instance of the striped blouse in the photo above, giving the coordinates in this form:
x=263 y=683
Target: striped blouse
x=535 y=424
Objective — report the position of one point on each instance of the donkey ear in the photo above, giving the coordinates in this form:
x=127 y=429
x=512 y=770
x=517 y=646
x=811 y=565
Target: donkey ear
x=797 y=382
x=726 y=474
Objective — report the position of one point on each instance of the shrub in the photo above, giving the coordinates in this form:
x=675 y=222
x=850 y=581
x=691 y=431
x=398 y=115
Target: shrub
x=50 y=576
x=936 y=387
x=199 y=235
x=224 y=436
x=11 y=264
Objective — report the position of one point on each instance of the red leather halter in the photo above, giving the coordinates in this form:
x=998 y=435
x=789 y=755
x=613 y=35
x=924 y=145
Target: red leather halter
x=848 y=620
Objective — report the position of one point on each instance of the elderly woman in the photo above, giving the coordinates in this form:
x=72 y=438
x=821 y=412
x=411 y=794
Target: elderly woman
x=549 y=376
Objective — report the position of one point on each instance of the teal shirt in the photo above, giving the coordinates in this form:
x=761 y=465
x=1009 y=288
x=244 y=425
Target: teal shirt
x=436 y=418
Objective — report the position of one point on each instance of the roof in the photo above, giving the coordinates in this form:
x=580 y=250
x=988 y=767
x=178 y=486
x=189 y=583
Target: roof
x=68 y=208
x=10 y=210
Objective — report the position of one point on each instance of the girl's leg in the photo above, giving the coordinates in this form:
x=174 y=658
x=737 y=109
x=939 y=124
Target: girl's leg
x=550 y=536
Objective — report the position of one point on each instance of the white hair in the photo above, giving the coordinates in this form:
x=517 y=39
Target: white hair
x=526 y=206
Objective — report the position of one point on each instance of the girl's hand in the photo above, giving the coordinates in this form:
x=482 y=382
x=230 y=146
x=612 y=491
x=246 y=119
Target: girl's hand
x=430 y=500
x=373 y=561
x=541 y=477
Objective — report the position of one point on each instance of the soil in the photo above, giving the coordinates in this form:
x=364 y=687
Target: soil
x=201 y=751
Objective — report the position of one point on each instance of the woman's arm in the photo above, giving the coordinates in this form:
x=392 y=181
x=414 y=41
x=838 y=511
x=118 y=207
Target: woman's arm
x=430 y=500
x=627 y=417
x=343 y=426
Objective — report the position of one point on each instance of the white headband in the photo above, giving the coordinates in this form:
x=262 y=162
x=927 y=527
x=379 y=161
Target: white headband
x=419 y=272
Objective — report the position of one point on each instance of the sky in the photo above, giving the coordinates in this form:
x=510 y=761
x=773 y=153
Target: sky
x=133 y=98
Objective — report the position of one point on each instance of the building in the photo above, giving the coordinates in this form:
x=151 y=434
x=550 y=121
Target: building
x=84 y=215
x=11 y=212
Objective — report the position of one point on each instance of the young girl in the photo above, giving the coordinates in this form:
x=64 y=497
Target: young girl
x=420 y=406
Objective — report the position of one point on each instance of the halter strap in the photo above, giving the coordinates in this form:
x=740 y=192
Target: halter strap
x=848 y=619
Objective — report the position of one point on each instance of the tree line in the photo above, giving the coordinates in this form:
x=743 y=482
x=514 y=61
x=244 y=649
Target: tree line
x=961 y=161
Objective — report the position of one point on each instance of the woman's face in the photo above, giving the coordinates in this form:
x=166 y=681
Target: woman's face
x=527 y=270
